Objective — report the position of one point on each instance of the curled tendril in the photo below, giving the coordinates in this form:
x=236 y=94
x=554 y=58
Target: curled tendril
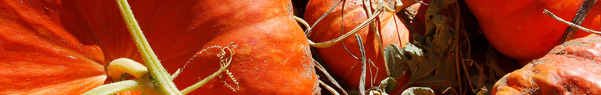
x=225 y=62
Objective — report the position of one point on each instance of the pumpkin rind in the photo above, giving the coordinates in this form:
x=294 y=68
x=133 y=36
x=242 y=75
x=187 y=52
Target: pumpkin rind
x=519 y=29
x=48 y=46
x=38 y=56
x=338 y=60
x=272 y=54
x=571 y=68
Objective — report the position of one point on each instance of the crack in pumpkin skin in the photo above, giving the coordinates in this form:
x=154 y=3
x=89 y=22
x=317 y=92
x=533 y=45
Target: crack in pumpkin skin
x=570 y=68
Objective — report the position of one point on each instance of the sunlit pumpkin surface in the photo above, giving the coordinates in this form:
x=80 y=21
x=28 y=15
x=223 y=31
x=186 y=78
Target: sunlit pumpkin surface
x=63 y=47
x=519 y=29
x=571 y=68
x=343 y=62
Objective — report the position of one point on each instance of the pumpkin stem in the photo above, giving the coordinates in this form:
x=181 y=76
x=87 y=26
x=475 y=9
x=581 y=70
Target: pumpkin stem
x=141 y=84
x=225 y=62
x=159 y=75
x=125 y=65
x=303 y=22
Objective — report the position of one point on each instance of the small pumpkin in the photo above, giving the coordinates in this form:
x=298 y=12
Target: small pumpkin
x=341 y=62
x=519 y=29
x=571 y=68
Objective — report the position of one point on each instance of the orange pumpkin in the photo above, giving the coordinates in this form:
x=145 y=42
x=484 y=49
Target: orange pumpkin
x=570 y=68
x=519 y=29
x=341 y=63
x=44 y=49
x=63 y=46
x=272 y=56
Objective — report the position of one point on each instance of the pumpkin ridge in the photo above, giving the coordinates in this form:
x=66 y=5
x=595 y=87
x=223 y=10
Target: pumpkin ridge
x=68 y=50
x=51 y=89
x=49 y=28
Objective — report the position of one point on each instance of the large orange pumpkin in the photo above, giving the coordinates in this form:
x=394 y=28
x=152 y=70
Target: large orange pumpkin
x=519 y=29
x=63 y=46
x=572 y=68
x=342 y=63
x=272 y=56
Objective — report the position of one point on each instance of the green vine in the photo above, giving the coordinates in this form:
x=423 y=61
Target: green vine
x=160 y=77
x=159 y=81
x=113 y=88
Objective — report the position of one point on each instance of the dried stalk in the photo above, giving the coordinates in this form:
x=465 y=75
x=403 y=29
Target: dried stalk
x=548 y=13
x=582 y=12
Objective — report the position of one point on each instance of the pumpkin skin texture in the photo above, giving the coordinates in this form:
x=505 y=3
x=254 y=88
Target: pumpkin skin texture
x=39 y=57
x=570 y=68
x=63 y=47
x=342 y=64
x=272 y=54
x=519 y=29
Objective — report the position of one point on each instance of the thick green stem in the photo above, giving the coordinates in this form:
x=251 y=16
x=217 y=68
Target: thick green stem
x=113 y=88
x=158 y=74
